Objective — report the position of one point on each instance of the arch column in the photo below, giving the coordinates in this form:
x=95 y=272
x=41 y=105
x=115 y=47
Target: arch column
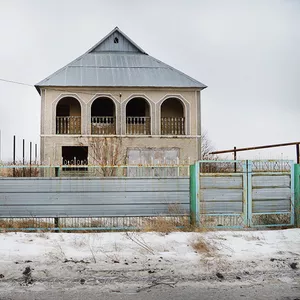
x=84 y=119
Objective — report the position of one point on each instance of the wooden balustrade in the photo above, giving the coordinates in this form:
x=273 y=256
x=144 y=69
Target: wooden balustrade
x=172 y=126
x=68 y=125
x=138 y=125
x=103 y=125
x=107 y=125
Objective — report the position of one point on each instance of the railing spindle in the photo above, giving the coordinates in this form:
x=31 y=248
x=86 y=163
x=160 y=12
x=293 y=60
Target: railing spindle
x=172 y=126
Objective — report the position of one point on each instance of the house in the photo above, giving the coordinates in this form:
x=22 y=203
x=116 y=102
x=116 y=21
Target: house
x=117 y=91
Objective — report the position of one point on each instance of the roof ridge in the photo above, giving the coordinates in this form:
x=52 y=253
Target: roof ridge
x=61 y=77
x=116 y=29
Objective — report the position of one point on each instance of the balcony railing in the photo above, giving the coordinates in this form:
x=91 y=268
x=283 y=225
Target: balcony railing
x=138 y=125
x=68 y=125
x=172 y=126
x=103 y=125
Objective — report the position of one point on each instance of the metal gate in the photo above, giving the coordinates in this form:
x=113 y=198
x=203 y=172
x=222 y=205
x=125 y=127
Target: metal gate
x=271 y=193
x=236 y=194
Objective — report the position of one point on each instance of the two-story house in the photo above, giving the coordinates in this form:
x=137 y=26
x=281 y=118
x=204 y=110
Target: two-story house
x=117 y=90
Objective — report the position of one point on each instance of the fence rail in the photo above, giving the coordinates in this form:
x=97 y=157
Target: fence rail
x=85 y=170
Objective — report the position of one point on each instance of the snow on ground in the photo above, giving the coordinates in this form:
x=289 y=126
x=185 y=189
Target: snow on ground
x=134 y=255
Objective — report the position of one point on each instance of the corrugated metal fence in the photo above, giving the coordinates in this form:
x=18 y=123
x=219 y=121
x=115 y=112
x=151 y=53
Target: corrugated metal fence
x=218 y=194
x=92 y=197
x=243 y=193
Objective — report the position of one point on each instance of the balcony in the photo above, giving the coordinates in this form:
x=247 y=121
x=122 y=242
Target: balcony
x=103 y=125
x=68 y=125
x=173 y=126
x=138 y=125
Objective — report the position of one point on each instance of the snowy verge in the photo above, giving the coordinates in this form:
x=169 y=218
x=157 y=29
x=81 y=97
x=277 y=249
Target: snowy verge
x=103 y=257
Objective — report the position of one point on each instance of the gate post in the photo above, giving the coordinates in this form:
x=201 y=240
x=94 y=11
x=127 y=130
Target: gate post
x=194 y=194
x=249 y=192
x=297 y=194
x=56 y=220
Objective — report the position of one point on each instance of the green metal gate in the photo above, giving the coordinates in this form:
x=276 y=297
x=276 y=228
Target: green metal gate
x=237 y=194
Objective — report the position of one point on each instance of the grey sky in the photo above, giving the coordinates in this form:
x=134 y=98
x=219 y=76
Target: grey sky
x=247 y=52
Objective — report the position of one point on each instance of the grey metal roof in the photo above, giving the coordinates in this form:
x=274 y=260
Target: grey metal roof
x=116 y=61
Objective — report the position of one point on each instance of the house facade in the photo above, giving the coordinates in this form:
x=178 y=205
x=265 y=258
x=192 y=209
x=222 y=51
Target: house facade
x=117 y=93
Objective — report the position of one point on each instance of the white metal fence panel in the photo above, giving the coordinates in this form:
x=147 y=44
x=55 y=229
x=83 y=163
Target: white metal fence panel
x=222 y=199
x=271 y=196
x=93 y=197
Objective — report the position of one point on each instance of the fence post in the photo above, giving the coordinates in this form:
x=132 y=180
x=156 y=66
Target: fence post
x=245 y=193
x=249 y=192
x=56 y=220
x=297 y=194
x=194 y=194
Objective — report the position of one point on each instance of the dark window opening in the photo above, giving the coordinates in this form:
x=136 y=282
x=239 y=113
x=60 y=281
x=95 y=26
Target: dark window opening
x=75 y=157
x=63 y=110
x=103 y=116
x=68 y=116
x=138 y=119
x=103 y=107
x=137 y=107
x=172 y=117
x=116 y=40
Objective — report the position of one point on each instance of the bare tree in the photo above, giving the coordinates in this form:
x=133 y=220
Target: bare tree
x=107 y=154
x=207 y=148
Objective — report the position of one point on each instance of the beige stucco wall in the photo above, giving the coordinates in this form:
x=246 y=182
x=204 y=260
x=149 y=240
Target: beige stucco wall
x=52 y=146
x=51 y=143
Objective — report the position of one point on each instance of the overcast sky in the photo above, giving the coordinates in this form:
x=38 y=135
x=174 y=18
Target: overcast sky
x=246 y=52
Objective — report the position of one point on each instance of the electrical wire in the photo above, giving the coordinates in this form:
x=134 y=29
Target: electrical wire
x=53 y=89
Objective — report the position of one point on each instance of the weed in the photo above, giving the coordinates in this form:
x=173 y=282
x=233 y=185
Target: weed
x=25 y=223
x=134 y=237
x=42 y=234
x=202 y=246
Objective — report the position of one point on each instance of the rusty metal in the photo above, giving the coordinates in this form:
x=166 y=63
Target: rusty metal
x=234 y=150
x=234 y=158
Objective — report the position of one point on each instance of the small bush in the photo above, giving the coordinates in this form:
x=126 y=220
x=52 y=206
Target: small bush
x=160 y=224
x=202 y=246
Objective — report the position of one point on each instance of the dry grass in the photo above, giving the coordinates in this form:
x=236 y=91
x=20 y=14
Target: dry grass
x=166 y=225
x=161 y=225
x=24 y=223
x=20 y=172
x=202 y=246
x=179 y=221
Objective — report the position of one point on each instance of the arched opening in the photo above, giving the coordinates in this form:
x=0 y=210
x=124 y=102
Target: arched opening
x=68 y=116
x=172 y=117
x=138 y=119
x=103 y=114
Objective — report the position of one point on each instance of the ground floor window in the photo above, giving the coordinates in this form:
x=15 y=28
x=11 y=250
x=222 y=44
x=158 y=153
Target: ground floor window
x=163 y=162
x=74 y=156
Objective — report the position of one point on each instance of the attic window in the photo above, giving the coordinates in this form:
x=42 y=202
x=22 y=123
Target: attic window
x=116 y=40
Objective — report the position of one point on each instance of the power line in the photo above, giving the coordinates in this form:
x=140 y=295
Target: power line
x=16 y=82
x=53 y=89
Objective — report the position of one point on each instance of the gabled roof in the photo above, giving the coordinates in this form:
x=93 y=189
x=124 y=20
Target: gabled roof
x=116 y=61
